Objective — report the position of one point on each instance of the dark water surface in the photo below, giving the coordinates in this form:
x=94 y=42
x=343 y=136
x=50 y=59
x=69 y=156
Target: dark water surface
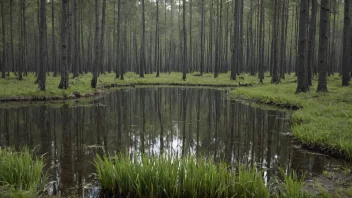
x=200 y=122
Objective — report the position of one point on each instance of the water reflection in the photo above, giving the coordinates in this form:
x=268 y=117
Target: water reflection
x=201 y=122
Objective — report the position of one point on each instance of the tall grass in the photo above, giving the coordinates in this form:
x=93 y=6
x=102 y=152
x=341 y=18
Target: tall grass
x=20 y=171
x=165 y=176
x=293 y=185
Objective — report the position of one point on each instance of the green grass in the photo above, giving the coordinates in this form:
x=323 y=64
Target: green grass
x=323 y=122
x=21 y=174
x=12 y=88
x=165 y=176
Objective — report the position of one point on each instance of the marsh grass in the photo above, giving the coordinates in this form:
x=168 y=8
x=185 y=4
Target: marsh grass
x=323 y=121
x=20 y=172
x=11 y=87
x=165 y=176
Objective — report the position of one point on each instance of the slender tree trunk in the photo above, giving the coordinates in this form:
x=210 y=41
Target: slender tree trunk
x=64 y=50
x=42 y=44
x=102 y=38
x=261 y=42
x=274 y=76
x=11 y=38
x=311 y=42
x=346 y=45
x=142 y=55
x=53 y=50
x=157 y=57
x=184 y=68
x=75 y=40
x=202 y=40
x=3 y=63
x=301 y=65
x=96 y=65
x=323 y=46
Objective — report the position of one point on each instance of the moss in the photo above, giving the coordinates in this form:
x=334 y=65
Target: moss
x=323 y=120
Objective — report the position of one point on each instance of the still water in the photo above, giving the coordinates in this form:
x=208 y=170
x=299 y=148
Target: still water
x=200 y=122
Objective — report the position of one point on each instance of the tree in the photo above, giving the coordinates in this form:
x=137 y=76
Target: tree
x=202 y=40
x=64 y=51
x=157 y=46
x=323 y=46
x=142 y=55
x=346 y=45
x=302 y=85
x=261 y=42
x=184 y=68
x=3 y=63
x=311 y=42
x=42 y=45
x=53 y=47
x=274 y=48
x=97 y=47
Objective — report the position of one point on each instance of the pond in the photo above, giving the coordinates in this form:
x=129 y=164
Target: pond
x=177 y=121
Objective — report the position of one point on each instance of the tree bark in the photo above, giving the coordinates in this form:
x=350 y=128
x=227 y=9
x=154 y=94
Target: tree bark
x=64 y=50
x=301 y=65
x=3 y=63
x=142 y=55
x=184 y=68
x=323 y=46
x=42 y=46
x=346 y=45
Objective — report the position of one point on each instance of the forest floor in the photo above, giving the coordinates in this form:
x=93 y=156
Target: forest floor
x=322 y=122
x=11 y=89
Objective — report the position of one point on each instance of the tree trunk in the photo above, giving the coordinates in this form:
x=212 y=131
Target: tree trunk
x=184 y=68
x=142 y=55
x=346 y=45
x=274 y=48
x=3 y=63
x=323 y=46
x=42 y=45
x=157 y=58
x=311 y=42
x=301 y=65
x=97 y=45
x=53 y=52
x=202 y=40
x=64 y=51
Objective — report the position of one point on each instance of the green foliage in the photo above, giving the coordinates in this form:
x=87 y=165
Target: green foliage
x=20 y=173
x=165 y=176
x=324 y=119
x=293 y=186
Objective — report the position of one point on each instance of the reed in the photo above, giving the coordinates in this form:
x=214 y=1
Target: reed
x=166 y=176
x=20 y=171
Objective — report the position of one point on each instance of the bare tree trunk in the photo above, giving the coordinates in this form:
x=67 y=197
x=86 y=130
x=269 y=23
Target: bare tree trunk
x=53 y=52
x=11 y=39
x=311 y=42
x=97 y=47
x=75 y=42
x=301 y=65
x=202 y=39
x=346 y=45
x=142 y=55
x=274 y=76
x=184 y=68
x=42 y=44
x=157 y=57
x=3 y=63
x=64 y=50
x=323 y=46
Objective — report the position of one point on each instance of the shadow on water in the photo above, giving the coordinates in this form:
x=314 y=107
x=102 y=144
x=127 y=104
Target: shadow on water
x=200 y=122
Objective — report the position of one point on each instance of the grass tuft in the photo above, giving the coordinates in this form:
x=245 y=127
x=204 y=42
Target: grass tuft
x=20 y=172
x=165 y=176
